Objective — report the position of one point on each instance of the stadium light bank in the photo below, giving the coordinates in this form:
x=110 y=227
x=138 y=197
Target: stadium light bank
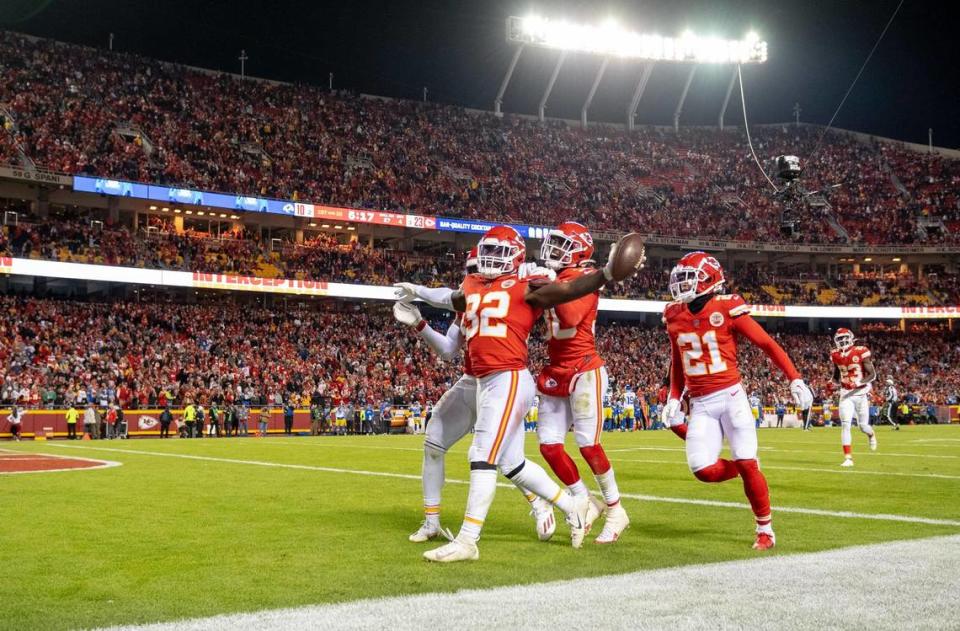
x=611 y=40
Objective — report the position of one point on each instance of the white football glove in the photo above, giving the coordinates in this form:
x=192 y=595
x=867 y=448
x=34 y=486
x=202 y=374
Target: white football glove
x=670 y=412
x=406 y=313
x=802 y=395
x=405 y=292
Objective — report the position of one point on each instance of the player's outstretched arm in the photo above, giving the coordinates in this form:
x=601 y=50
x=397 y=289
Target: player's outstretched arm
x=553 y=294
x=750 y=329
x=439 y=297
x=447 y=347
x=556 y=293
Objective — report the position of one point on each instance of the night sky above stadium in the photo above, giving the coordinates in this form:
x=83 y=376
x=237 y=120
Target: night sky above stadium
x=458 y=51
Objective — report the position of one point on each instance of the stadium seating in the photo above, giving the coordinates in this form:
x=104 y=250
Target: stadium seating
x=150 y=352
x=324 y=258
x=80 y=110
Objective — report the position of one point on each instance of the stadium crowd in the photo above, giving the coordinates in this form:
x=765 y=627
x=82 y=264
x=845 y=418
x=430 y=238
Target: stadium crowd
x=148 y=354
x=81 y=110
x=323 y=257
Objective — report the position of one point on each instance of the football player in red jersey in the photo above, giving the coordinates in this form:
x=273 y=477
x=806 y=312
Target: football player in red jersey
x=703 y=325
x=571 y=386
x=854 y=371
x=453 y=417
x=500 y=309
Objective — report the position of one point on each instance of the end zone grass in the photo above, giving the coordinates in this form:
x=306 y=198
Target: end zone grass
x=201 y=527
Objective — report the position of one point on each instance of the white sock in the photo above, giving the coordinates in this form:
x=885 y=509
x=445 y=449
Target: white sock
x=608 y=486
x=433 y=475
x=483 y=487
x=533 y=477
x=530 y=496
x=578 y=488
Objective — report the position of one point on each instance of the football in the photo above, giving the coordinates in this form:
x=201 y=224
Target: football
x=628 y=258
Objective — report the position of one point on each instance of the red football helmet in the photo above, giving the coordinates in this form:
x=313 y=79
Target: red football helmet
x=569 y=245
x=696 y=274
x=843 y=339
x=500 y=251
x=470 y=266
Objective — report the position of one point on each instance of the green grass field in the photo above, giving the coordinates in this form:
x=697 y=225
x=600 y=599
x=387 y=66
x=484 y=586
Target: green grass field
x=180 y=530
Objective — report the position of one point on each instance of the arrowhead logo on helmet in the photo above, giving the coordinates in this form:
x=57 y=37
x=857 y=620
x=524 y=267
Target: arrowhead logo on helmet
x=695 y=275
x=568 y=245
x=843 y=338
x=500 y=251
x=470 y=266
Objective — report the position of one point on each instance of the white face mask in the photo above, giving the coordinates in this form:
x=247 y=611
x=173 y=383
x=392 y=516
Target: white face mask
x=557 y=250
x=496 y=259
x=683 y=283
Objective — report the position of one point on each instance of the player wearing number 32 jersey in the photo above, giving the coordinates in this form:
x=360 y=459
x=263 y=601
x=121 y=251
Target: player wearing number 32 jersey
x=500 y=308
x=704 y=326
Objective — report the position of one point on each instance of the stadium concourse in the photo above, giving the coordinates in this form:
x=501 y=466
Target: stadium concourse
x=88 y=236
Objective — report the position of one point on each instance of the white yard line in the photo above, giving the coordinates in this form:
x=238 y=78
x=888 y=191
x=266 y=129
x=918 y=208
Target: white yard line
x=898 y=585
x=836 y=471
x=645 y=498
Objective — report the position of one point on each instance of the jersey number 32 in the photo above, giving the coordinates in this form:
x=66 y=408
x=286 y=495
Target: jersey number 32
x=485 y=321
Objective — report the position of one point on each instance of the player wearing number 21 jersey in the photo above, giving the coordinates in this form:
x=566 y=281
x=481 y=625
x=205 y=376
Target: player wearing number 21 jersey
x=500 y=309
x=704 y=326
x=853 y=369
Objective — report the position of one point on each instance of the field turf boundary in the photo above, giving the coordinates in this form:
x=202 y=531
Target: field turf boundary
x=897 y=585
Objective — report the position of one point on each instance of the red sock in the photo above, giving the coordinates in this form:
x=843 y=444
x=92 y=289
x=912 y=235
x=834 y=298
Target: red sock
x=562 y=465
x=680 y=430
x=596 y=457
x=846 y=450
x=720 y=471
x=755 y=488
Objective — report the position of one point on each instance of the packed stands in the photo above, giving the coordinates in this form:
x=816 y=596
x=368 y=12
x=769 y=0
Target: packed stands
x=149 y=353
x=324 y=257
x=81 y=110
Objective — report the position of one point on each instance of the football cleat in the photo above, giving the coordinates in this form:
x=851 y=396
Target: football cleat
x=847 y=462
x=542 y=511
x=596 y=509
x=456 y=550
x=577 y=520
x=616 y=522
x=765 y=541
x=426 y=532
x=873 y=442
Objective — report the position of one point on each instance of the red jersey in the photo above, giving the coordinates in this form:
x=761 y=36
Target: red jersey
x=497 y=323
x=850 y=365
x=705 y=344
x=571 y=337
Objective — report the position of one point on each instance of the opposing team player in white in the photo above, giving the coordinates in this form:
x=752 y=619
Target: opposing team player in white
x=500 y=309
x=454 y=415
x=575 y=378
x=704 y=325
x=854 y=371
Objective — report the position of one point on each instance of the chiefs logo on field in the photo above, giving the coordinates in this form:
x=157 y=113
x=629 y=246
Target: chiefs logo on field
x=716 y=318
x=147 y=422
